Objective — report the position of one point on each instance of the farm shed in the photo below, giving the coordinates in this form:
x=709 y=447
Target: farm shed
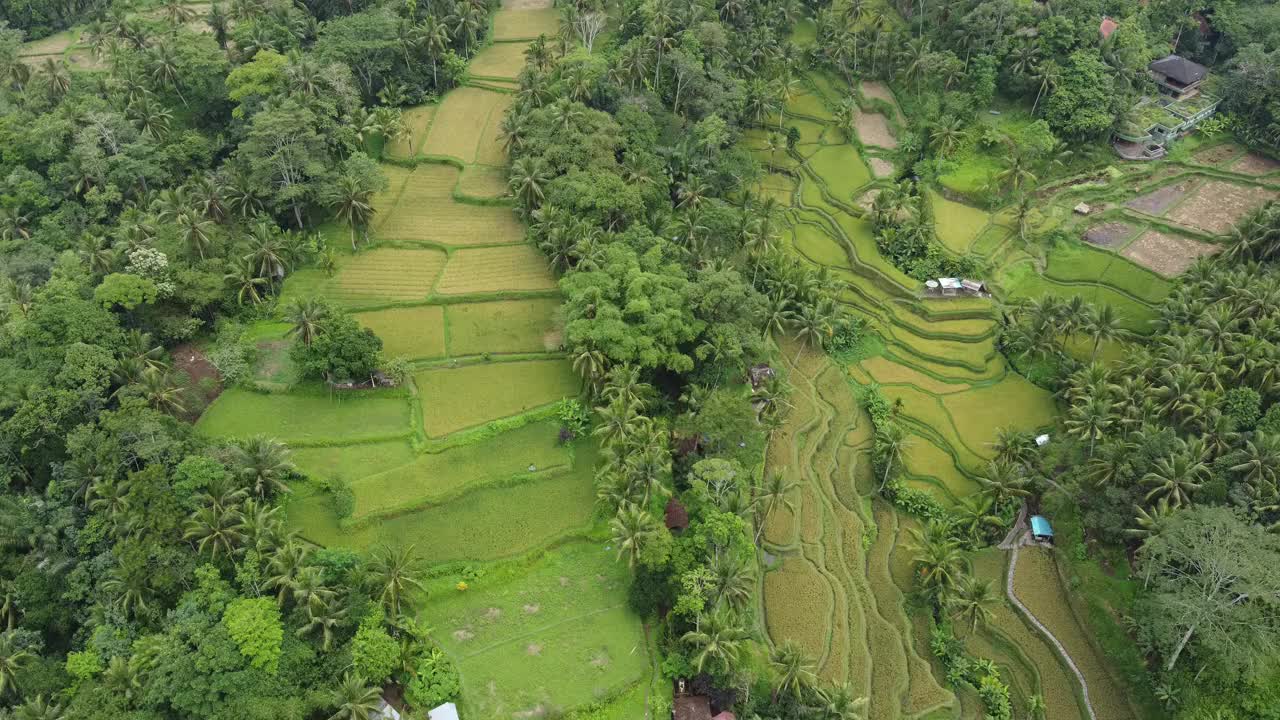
x=1041 y=530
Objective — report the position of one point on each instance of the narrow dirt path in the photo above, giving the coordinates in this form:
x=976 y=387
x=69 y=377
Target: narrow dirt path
x=1039 y=626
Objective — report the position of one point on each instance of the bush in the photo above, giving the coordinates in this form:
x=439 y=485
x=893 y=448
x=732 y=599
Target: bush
x=574 y=418
x=434 y=681
x=231 y=354
x=254 y=624
x=344 y=351
x=1243 y=405
x=374 y=653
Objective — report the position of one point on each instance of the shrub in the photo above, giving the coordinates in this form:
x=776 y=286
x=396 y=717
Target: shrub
x=574 y=418
x=1243 y=405
x=374 y=653
x=345 y=350
x=435 y=681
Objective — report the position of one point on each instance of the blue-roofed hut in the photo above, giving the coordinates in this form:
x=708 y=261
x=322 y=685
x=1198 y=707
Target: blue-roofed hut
x=1040 y=529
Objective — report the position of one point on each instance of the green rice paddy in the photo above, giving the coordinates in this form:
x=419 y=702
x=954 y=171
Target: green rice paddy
x=842 y=568
x=450 y=285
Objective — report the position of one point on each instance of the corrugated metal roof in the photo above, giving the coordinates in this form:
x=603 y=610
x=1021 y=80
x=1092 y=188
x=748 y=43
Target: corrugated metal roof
x=1040 y=526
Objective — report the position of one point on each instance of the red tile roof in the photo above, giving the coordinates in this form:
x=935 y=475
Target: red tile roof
x=676 y=516
x=1107 y=27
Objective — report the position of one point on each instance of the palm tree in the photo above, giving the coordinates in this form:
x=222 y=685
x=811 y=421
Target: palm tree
x=1003 y=481
x=309 y=590
x=56 y=78
x=947 y=134
x=286 y=563
x=307 y=318
x=220 y=24
x=162 y=391
x=529 y=176
x=323 y=617
x=433 y=36
x=129 y=592
x=1091 y=419
x=717 y=641
x=971 y=601
x=1261 y=466
x=166 y=70
x=354 y=699
x=771 y=495
x=394 y=573
x=975 y=512
x=123 y=678
x=1150 y=522
x=1018 y=174
x=733 y=583
x=938 y=562
x=793 y=671
x=216 y=530
x=176 y=12
x=813 y=326
x=38 y=708
x=632 y=528
x=1175 y=478
x=1103 y=325
x=263 y=463
x=839 y=703
x=12 y=659
x=618 y=419
x=352 y=204
x=244 y=279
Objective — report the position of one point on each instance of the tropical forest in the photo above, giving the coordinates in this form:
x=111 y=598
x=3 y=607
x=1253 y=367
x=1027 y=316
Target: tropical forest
x=639 y=360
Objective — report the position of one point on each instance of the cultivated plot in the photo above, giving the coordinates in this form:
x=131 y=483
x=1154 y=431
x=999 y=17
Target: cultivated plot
x=488 y=524
x=432 y=478
x=506 y=326
x=525 y=24
x=499 y=60
x=1167 y=254
x=426 y=212
x=483 y=181
x=1218 y=205
x=413 y=333
x=491 y=270
x=310 y=416
x=1255 y=164
x=371 y=277
x=458 y=398
x=416 y=121
x=460 y=122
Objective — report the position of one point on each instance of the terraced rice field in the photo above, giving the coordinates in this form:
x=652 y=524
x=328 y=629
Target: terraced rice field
x=841 y=567
x=464 y=463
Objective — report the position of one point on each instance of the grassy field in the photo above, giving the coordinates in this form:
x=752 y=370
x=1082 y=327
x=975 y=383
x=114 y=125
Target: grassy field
x=483 y=181
x=426 y=212
x=500 y=60
x=490 y=391
x=416 y=122
x=308 y=417
x=958 y=225
x=553 y=634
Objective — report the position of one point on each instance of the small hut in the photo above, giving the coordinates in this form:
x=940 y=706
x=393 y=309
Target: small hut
x=1041 y=530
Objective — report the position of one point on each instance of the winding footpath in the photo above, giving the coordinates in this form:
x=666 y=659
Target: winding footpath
x=1013 y=542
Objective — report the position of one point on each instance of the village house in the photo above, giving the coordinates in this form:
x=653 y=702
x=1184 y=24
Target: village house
x=1179 y=104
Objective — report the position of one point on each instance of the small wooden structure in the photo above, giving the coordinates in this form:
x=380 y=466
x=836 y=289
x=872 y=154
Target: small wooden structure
x=1041 y=530
x=759 y=375
x=952 y=287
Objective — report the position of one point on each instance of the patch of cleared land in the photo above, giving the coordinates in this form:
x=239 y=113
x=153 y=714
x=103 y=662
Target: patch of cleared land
x=1218 y=205
x=873 y=129
x=526 y=24
x=1167 y=254
x=501 y=60
x=1158 y=201
x=1109 y=234
x=459 y=124
x=1255 y=164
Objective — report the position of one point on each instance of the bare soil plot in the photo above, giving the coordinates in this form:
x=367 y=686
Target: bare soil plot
x=880 y=167
x=500 y=60
x=1158 y=201
x=486 y=270
x=1166 y=254
x=1218 y=205
x=873 y=130
x=416 y=123
x=483 y=181
x=1255 y=164
x=460 y=123
x=880 y=91
x=525 y=24
x=1109 y=234
x=1217 y=154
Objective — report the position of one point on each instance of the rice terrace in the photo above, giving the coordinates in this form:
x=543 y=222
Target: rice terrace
x=639 y=360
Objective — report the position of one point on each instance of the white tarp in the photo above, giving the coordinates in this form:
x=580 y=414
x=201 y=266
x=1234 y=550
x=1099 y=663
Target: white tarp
x=447 y=711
